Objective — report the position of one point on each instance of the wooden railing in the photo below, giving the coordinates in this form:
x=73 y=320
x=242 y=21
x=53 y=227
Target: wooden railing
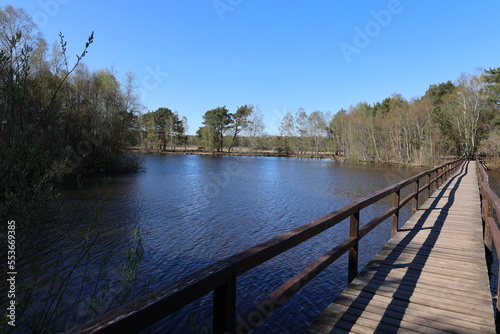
x=220 y=277
x=490 y=213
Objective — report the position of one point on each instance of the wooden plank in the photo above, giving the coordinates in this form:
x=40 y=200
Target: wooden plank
x=430 y=277
x=443 y=301
x=410 y=289
x=395 y=317
x=425 y=283
x=413 y=313
x=412 y=308
x=443 y=280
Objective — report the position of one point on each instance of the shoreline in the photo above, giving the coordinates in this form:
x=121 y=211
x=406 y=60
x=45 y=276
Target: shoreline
x=308 y=155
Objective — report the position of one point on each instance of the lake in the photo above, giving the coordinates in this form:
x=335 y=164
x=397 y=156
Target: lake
x=193 y=210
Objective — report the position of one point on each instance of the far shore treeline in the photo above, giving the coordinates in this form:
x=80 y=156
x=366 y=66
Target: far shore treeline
x=450 y=119
x=58 y=117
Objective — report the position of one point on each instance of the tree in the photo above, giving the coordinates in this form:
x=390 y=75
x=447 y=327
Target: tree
x=491 y=145
x=288 y=131
x=163 y=128
x=239 y=120
x=436 y=93
x=317 y=129
x=492 y=79
x=33 y=150
x=217 y=120
x=254 y=126
x=20 y=40
x=338 y=128
x=465 y=107
x=54 y=119
x=302 y=130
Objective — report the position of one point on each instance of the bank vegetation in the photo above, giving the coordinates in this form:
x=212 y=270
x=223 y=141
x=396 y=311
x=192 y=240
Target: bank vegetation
x=449 y=119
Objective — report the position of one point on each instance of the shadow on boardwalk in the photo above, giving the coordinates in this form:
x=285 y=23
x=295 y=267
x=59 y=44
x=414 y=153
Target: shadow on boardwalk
x=415 y=269
x=395 y=292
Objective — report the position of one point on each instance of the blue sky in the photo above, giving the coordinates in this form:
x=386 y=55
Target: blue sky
x=192 y=56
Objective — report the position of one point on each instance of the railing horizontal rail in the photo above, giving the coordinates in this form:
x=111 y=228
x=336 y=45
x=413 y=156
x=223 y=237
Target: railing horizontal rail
x=490 y=212
x=407 y=199
x=273 y=300
x=220 y=277
x=363 y=231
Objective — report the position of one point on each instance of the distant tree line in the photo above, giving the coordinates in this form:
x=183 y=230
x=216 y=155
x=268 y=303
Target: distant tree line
x=450 y=119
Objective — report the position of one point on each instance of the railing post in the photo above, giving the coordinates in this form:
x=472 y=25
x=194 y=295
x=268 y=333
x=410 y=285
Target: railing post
x=428 y=186
x=395 y=217
x=498 y=289
x=224 y=313
x=433 y=184
x=488 y=239
x=414 y=201
x=353 y=252
x=438 y=178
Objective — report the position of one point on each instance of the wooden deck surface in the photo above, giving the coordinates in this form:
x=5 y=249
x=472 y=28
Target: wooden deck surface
x=430 y=278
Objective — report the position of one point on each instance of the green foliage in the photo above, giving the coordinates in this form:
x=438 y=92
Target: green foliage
x=163 y=128
x=239 y=120
x=437 y=93
x=83 y=120
x=55 y=120
x=382 y=108
x=492 y=77
x=216 y=122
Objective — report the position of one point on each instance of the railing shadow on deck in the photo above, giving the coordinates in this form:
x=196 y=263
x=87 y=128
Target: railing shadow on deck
x=220 y=277
x=395 y=311
x=490 y=213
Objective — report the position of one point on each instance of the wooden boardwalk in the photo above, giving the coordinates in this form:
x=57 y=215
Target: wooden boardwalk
x=430 y=278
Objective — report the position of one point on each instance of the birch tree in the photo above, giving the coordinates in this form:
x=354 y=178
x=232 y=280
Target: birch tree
x=464 y=107
x=254 y=126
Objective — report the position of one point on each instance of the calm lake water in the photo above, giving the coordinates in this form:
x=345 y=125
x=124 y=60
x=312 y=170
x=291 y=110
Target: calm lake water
x=194 y=210
x=495 y=181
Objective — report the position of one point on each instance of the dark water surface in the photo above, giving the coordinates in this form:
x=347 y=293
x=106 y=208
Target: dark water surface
x=494 y=177
x=194 y=210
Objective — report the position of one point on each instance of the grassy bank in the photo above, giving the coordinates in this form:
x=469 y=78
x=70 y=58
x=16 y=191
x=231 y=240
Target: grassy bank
x=244 y=151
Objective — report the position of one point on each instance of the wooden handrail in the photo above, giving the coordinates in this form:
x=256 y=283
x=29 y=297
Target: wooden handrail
x=220 y=277
x=490 y=213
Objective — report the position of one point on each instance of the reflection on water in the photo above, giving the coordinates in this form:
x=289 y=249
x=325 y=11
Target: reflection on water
x=494 y=177
x=194 y=210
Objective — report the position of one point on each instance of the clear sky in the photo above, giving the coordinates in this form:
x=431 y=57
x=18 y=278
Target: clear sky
x=195 y=55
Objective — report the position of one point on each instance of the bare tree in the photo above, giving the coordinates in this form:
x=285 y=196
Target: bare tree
x=254 y=126
x=465 y=106
x=287 y=131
